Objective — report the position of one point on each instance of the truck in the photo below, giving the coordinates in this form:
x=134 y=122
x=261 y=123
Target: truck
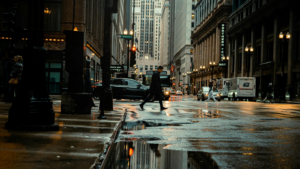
x=242 y=88
x=222 y=87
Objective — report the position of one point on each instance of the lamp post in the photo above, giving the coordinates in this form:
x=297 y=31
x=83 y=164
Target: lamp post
x=249 y=52
x=125 y=32
x=212 y=65
x=183 y=74
x=225 y=60
x=179 y=85
x=202 y=69
x=283 y=40
x=189 y=74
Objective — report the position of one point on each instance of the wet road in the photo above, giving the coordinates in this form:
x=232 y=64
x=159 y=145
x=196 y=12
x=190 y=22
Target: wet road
x=193 y=134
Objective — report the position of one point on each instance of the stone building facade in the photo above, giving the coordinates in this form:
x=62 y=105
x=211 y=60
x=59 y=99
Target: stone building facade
x=257 y=24
x=209 y=41
x=164 y=33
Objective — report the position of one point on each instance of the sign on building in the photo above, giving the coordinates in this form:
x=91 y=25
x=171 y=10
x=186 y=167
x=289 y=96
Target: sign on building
x=223 y=48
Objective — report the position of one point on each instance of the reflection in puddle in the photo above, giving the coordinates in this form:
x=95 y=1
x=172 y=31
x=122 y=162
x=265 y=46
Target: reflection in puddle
x=141 y=125
x=141 y=155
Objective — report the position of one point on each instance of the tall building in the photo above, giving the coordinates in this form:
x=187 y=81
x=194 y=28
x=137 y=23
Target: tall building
x=147 y=27
x=209 y=41
x=165 y=33
x=181 y=48
x=120 y=22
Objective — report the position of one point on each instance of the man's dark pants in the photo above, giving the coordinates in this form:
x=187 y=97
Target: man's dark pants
x=150 y=96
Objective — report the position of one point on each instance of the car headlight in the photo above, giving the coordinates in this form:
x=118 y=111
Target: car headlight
x=167 y=92
x=206 y=94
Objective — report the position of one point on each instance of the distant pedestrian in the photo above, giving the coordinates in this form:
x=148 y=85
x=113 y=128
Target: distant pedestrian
x=269 y=93
x=155 y=89
x=211 y=91
x=15 y=78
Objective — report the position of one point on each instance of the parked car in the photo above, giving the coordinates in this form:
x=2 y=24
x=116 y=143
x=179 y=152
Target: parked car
x=203 y=94
x=124 y=88
x=178 y=92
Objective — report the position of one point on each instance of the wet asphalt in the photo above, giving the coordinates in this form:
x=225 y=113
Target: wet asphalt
x=76 y=145
x=190 y=134
x=195 y=134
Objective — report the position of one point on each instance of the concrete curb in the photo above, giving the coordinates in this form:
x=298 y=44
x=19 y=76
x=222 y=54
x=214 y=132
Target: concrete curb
x=101 y=159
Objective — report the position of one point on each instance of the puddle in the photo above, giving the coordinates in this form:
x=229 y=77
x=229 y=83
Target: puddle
x=141 y=125
x=140 y=154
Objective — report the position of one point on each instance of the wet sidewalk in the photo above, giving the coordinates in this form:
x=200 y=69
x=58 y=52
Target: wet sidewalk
x=77 y=144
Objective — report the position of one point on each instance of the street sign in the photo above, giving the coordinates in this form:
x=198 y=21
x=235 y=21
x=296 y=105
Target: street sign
x=126 y=36
x=222 y=64
x=181 y=80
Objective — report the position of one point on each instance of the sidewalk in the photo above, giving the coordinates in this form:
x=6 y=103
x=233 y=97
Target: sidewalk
x=77 y=144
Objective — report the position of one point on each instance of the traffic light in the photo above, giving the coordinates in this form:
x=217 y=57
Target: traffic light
x=8 y=24
x=132 y=56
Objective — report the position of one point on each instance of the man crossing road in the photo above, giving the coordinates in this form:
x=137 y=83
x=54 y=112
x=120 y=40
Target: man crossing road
x=155 y=89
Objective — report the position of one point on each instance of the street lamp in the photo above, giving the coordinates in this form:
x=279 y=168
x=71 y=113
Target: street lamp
x=284 y=40
x=212 y=65
x=125 y=32
x=202 y=69
x=249 y=52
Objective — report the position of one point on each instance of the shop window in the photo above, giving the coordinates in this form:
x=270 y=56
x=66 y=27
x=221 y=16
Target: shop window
x=55 y=65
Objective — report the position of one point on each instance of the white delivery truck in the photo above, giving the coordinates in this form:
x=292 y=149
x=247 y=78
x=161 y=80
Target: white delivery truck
x=222 y=87
x=242 y=88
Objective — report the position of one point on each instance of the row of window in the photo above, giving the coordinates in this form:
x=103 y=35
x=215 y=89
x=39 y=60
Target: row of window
x=146 y=67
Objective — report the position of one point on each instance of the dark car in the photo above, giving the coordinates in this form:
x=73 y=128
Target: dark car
x=124 y=89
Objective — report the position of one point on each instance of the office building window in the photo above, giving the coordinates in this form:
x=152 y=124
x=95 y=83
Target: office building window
x=141 y=68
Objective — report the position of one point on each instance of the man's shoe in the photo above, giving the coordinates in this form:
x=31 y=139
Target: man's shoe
x=142 y=106
x=163 y=108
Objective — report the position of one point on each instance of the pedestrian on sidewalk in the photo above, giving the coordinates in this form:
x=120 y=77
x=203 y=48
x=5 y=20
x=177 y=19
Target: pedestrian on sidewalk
x=155 y=89
x=269 y=93
x=15 y=78
x=211 y=91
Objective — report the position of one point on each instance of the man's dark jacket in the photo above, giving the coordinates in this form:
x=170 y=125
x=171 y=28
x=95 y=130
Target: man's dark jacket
x=269 y=89
x=155 y=87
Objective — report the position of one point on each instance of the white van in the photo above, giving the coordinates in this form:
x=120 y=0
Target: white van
x=242 y=88
x=222 y=87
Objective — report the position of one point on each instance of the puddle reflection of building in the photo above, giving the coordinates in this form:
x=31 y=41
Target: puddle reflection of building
x=153 y=156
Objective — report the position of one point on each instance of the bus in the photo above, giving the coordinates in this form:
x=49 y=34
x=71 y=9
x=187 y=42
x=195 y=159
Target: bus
x=164 y=80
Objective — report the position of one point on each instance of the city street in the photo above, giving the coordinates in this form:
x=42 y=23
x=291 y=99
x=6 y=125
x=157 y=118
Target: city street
x=193 y=134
